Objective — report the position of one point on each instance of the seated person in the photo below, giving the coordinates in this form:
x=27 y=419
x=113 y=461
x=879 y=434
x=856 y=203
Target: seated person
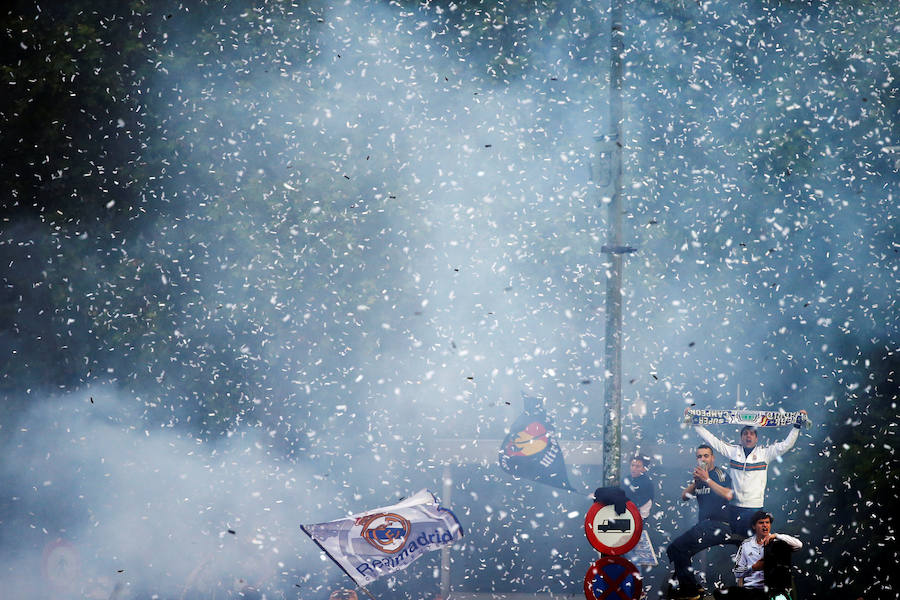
x=763 y=563
x=712 y=488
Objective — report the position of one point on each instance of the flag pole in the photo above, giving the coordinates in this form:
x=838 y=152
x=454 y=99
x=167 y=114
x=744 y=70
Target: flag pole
x=368 y=593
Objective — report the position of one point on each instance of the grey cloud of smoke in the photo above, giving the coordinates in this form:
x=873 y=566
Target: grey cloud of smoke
x=146 y=508
x=504 y=215
x=432 y=147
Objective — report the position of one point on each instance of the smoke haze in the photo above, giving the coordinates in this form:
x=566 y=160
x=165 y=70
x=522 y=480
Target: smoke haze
x=378 y=225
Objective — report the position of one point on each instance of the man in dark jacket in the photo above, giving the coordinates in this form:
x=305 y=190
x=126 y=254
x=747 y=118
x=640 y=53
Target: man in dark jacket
x=639 y=487
x=712 y=488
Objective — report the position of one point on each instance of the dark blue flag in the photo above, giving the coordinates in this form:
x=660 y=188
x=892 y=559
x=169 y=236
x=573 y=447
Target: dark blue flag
x=531 y=451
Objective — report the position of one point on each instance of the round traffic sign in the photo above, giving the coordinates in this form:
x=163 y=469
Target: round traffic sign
x=61 y=565
x=612 y=578
x=612 y=533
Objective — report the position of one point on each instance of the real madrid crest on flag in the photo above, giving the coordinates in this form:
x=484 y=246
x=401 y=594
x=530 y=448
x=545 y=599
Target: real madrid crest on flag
x=385 y=531
x=532 y=451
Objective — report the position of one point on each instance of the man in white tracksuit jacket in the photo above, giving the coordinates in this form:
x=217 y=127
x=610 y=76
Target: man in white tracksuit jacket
x=763 y=563
x=748 y=466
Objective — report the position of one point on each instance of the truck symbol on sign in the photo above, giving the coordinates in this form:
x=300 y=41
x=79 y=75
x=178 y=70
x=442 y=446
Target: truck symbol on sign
x=623 y=525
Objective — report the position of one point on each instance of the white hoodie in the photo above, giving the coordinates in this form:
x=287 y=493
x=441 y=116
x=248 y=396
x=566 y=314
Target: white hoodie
x=749 y=473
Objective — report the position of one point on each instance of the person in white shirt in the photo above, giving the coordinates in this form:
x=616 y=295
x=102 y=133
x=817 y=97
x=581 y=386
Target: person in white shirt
x=762 y=563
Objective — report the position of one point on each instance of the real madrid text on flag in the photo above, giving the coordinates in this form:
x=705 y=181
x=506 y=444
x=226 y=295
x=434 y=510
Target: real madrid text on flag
x=385 y=540
x=532 y=451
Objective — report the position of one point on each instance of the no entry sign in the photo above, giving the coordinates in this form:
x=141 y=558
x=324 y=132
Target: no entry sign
x=612 y=533
x=612 y=578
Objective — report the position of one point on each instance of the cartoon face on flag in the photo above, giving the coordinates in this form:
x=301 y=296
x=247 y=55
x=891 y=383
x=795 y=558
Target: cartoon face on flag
x=385 y=540
x=531 y=450
x=529 y=441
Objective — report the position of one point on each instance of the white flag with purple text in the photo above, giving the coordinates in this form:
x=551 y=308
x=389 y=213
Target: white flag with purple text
x=385 y=540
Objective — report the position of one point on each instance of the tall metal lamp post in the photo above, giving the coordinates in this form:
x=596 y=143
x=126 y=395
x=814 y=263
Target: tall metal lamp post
x=609 y=155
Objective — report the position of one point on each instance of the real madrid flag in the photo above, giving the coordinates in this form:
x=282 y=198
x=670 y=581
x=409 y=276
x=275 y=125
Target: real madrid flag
x=532 y=451
x=385 y=540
